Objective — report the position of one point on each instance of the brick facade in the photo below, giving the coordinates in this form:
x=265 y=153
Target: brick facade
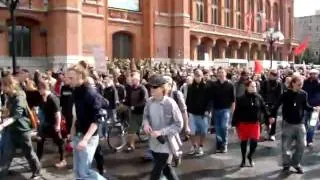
x=65 y=31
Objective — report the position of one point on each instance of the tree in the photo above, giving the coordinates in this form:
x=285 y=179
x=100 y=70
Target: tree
x=308 y=57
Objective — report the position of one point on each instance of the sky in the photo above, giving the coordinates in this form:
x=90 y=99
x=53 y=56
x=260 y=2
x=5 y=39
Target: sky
x=305 y=7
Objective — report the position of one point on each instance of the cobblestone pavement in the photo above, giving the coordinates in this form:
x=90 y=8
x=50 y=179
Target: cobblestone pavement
x=124 y=166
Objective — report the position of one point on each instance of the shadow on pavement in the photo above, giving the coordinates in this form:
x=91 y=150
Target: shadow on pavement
x=209 y=173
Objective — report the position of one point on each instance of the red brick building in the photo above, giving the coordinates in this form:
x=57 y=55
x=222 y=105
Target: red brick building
x=52 y=33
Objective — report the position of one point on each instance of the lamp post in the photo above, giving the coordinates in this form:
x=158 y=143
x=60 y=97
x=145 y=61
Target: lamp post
x=271 y=37
x=12 y=6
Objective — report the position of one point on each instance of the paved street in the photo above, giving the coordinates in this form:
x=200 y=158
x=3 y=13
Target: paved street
x=125 y=166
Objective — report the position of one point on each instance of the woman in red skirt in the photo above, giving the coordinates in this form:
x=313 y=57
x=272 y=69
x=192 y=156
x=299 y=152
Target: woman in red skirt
x=248 y=112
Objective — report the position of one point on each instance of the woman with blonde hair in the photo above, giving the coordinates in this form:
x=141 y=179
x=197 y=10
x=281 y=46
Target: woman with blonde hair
x=18 y=124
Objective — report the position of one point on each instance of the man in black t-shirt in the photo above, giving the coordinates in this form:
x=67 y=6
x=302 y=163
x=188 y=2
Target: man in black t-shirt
x=51 y=125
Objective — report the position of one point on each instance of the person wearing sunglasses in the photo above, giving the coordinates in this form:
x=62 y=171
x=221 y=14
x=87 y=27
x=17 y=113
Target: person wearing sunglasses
x=162 y=120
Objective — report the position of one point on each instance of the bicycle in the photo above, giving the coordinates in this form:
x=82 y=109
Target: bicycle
x=118 y=131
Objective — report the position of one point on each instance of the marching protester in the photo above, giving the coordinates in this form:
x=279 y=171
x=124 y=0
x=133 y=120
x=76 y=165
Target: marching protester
x=246 y=117
x=136 y=98
x=271 y=90
x=294 y=102
x=18 y=125
x=198 y=108
x=85 y=125
x=312 y=88
x=162 y=120
x=51 y=127
x=223 y=98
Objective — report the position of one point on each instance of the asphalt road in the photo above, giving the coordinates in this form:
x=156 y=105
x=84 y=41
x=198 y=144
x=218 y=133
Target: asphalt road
x=124 y=166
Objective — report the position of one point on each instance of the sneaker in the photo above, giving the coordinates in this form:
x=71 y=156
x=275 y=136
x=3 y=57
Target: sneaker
x=192 y=150
x=61 y=164
x=200 y=152
x=310 y=144
x=272 y=138
x=286 y=169
x=299 y=170
x=35 y=177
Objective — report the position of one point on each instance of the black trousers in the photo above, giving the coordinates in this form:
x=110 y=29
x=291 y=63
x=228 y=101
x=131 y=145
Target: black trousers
x=161 y=165
x=98 y=156
x=57 y=139
x=272 y=130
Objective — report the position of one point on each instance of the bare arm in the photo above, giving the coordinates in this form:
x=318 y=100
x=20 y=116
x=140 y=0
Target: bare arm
x=92 y=129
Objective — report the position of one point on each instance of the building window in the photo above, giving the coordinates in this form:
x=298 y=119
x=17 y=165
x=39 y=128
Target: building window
x=215 y=12
x=259 y=25
x=239 y=22
x=23 y=41
x=227 y=11
x=200 y=11
x=122 y=45
x=260 y=5
x=239 y=13
x=239 y=6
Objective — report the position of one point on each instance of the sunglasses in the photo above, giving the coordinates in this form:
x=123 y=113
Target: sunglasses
x=155 y=87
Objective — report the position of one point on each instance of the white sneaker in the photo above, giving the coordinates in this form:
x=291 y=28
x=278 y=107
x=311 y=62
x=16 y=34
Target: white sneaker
x=200 y=152
x=192 y=151
x=272 y=138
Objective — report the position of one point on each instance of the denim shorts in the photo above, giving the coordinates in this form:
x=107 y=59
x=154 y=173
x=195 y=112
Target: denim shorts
x=198 y=124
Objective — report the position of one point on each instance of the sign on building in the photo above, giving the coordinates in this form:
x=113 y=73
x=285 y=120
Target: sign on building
x=99 y=58
x=131 y=5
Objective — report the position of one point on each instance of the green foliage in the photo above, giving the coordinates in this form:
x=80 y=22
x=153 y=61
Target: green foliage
x=308 y=57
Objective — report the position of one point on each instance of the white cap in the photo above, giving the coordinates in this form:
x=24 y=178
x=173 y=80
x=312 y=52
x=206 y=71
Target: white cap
x=314 y=71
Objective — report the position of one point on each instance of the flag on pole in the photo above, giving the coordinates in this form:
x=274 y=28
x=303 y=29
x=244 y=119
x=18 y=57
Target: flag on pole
x=258 y=68
x=302 y=47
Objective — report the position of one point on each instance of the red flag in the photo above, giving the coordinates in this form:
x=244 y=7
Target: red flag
x=258 y=68
x=302 y=47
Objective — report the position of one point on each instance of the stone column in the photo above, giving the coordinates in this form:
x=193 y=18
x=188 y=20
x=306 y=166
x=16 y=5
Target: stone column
x=234 y=14
x=207 y=12
x=181 y=30
x=222 y=50
x=209 y=46
x=221 y=9
x=65 y=32
x=194 y=49
x=148 y=28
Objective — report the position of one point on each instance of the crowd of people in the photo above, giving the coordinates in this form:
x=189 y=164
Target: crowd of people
x=166 y=101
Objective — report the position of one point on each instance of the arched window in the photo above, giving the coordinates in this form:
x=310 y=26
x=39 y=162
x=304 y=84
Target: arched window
x=200 y=10
x=201 y=51
x=122 y=45
x=23 y=41
x=215 y=11
x=227 y=11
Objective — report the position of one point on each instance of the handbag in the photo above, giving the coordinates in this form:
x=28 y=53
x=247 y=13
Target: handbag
x=314 y=119
x=33 y=118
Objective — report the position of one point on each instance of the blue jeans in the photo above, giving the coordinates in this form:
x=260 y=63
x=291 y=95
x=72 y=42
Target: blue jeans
x=222 y=117
x=310 y=129
x=82 y=160
x=103 y=127
x=198 y=124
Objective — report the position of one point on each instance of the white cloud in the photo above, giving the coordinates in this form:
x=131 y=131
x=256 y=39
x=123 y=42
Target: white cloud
x=305 y=7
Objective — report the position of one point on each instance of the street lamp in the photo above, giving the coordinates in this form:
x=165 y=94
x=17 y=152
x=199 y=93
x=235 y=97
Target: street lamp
x=12 y=6
x=271 y=37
